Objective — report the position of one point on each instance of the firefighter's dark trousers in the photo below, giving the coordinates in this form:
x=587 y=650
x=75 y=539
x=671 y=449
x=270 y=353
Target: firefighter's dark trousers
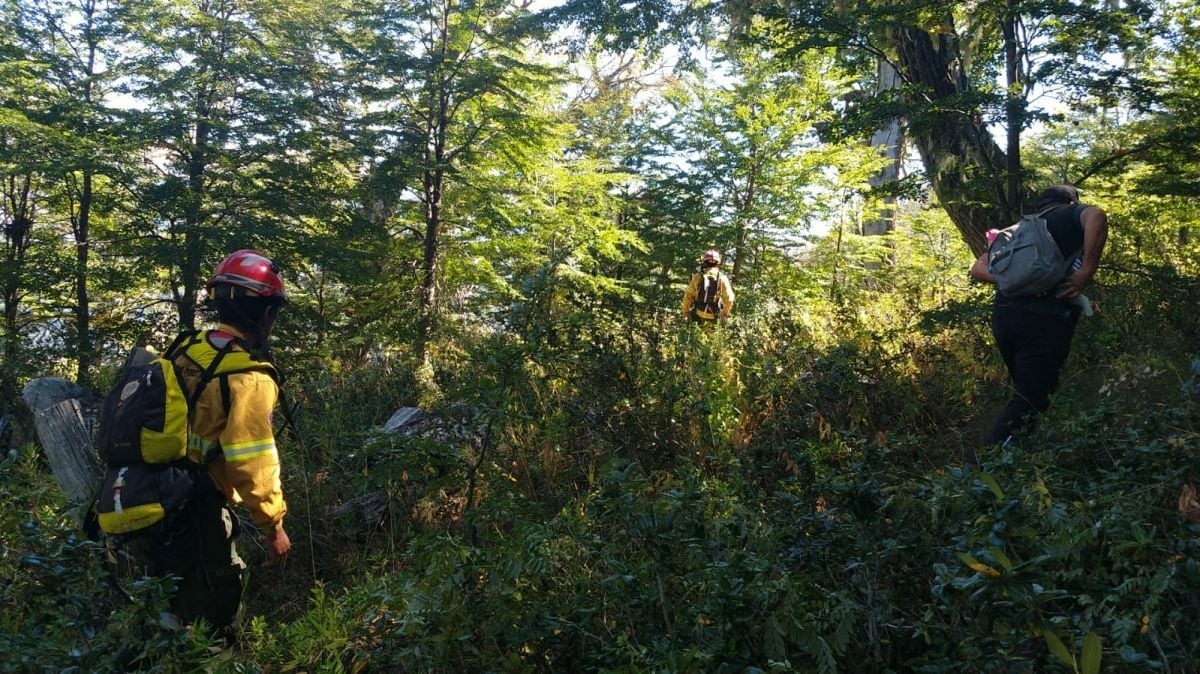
x=197 y=547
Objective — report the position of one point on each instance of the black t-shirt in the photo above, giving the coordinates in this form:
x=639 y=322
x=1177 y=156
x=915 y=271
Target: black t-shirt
x=1064 y=224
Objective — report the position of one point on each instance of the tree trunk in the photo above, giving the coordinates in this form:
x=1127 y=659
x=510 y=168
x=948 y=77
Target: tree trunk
x=85 y=354
x=1014 y=105
x=82 y=306
x=193 y=241
x=745 y=213
x=889 y=137
x=739 y=244
x=18 y=235
x=431 y=262
x=433 y=188
x=963 y=163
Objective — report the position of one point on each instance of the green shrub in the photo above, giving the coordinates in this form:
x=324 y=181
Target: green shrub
x=62 y=611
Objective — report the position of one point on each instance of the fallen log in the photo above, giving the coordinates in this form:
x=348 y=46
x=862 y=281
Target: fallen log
x=363 y=513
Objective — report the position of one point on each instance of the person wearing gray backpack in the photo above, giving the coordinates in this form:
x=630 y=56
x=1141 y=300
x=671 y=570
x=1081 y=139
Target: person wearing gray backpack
x=1033 y=321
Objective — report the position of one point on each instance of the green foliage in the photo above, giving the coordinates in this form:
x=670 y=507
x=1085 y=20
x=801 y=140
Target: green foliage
x=62 y=612
x=1068 y=541
x=319 y=643
x=739 y=164
x=804 y=544
x=781 y=494
x=622 y=492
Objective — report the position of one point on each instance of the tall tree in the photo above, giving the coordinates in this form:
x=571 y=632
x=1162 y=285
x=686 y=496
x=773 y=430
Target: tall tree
x=619 y=119
x=749 y=141
x=948 y=58
x=1164 y=134
x=27 y=148
x=17 y=217
x=218 y=84
x=440 y=80
x=71 y=40
x=889 y=138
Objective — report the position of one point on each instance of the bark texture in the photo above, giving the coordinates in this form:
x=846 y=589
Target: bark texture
x=964 y=164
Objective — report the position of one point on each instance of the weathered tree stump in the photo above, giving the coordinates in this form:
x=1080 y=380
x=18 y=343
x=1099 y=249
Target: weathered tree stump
x=64 y=437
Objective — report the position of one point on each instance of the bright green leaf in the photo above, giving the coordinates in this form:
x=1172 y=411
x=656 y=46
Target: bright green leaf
x=1089 y=658
x=1057 y=647
x=991 y=484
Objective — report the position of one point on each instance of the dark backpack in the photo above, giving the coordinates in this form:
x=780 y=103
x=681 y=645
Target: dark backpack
x=708 y=296
x=1025 y=260
x=144 y=433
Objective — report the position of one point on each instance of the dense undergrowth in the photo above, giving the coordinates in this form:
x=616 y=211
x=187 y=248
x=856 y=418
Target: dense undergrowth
x=642 y=497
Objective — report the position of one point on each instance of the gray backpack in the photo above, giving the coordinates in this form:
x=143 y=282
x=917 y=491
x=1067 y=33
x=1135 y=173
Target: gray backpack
x=1025 y=260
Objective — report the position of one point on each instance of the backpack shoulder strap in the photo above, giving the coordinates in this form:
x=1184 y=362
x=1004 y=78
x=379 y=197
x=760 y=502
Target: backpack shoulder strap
x=1077 y=214
x=182 y=342
x=241 y=361
x=1077 y=220
x=226 y=394
x=208 y=374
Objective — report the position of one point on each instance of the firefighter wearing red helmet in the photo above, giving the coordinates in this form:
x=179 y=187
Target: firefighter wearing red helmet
x=709 y=294
x=247 y=273
x=232 y=436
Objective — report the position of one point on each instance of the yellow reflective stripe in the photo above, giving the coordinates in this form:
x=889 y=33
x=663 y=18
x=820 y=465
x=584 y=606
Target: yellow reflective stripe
x=199 y=444
x=131 y=519
x=244 y=451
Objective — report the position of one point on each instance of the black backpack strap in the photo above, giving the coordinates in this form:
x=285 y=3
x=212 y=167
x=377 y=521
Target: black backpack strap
x=226 y=395
x=223 y=379
x=190 y=336
x=207 y=376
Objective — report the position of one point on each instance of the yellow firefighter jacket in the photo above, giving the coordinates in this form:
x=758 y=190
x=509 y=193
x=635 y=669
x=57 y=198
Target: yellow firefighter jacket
x=231 y=426
x=710 y=298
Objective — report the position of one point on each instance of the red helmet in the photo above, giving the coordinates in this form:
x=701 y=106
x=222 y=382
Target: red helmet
x=711 y=256
x=247 y=273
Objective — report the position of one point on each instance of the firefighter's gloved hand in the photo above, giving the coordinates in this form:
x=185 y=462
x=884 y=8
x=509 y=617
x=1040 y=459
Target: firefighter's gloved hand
x=278 y=546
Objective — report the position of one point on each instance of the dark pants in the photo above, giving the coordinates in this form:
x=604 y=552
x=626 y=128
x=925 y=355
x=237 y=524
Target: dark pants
x=197 y=547
x=1034 y=338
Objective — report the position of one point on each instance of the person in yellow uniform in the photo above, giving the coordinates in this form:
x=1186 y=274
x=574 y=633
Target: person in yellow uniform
x=709 y=294
x=233 y=442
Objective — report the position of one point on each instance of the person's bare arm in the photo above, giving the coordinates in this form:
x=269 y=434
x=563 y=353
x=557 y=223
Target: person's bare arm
x=1095 y=234
x=979 y=270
